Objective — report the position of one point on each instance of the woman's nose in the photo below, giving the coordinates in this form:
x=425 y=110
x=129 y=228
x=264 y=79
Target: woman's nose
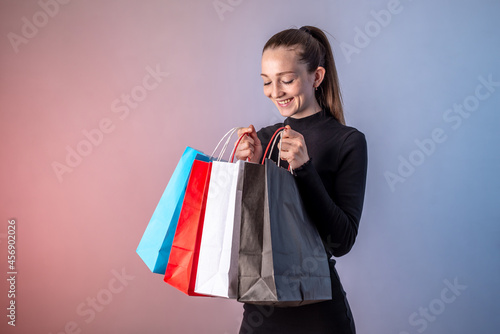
x=277 y=92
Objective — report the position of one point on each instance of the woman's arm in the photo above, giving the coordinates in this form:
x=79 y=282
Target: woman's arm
x=337 y=216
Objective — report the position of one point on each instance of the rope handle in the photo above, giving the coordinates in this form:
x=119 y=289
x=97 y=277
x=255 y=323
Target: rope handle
x=272 y=142
x=227 y=136
x=236 y=146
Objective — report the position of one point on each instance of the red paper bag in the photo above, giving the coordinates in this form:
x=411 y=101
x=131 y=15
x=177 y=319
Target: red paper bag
x=183 y=260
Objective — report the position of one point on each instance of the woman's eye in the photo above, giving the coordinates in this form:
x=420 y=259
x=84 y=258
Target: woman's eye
x=267 y=83
x=288 y=82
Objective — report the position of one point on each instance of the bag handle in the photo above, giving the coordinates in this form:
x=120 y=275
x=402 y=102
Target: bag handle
x=236 y=146
x=272 y=142
x=227 y=136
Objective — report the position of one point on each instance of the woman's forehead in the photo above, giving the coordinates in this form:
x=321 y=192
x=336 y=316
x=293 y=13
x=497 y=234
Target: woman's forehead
x=279 y=60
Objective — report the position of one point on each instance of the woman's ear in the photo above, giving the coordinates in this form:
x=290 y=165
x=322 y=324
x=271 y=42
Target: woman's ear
x=319 y=75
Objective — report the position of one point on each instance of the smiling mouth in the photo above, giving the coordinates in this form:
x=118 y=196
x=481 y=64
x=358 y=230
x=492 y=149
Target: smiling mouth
x=285 y=102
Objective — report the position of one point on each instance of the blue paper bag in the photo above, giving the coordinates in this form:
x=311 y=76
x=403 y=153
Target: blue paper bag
x=156 y=242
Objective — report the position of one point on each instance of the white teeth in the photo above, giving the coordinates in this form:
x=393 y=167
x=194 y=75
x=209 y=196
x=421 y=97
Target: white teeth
x=284 y=101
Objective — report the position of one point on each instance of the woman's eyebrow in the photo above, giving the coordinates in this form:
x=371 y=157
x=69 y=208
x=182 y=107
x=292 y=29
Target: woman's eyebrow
x=278 y=74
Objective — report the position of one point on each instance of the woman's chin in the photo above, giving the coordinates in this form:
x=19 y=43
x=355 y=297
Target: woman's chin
x=287 y=112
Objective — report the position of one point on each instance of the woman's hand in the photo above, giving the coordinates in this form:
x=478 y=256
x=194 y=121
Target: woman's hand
x=293 y=148
x=250 y=147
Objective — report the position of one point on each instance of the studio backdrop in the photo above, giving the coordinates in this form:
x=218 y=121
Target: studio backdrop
x=100 y=98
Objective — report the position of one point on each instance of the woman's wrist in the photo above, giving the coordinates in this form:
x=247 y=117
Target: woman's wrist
x=302 y=168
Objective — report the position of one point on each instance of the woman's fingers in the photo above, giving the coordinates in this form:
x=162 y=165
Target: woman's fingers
x=288 y=132
x=246 y=146
x=293 y=148
x=292 y=145
x=254 y=136
x=250 y=147
x=245 y=149
x=249 y=130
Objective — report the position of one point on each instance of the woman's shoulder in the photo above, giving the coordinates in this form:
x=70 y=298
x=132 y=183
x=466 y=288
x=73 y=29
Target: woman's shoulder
x=351 y=132
x=341 y=131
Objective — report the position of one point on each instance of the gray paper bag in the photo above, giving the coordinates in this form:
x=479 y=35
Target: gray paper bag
x=282 y=260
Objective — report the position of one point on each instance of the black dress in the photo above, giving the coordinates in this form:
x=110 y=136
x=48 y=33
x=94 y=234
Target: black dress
x=332 y=187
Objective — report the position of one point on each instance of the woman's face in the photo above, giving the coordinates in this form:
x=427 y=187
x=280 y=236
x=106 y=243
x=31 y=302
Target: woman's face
x=288 y=84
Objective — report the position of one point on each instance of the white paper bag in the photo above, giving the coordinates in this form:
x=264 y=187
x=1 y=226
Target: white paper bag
x=217 y=273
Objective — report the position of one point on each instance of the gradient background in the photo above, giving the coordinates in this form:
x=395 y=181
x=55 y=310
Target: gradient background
x=441 y=224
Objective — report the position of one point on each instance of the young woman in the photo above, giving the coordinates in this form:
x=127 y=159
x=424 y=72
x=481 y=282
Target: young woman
x=329 y=161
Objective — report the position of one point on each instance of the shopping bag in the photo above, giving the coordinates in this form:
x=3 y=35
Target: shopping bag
x=282 y=260
x=154 y=247
x=217 y=273
x=183 y=260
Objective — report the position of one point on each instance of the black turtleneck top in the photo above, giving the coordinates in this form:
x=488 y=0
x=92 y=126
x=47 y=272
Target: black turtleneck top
x=332 y=182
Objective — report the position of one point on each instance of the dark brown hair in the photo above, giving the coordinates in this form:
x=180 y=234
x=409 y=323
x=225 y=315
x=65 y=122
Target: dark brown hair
x=314 y=50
